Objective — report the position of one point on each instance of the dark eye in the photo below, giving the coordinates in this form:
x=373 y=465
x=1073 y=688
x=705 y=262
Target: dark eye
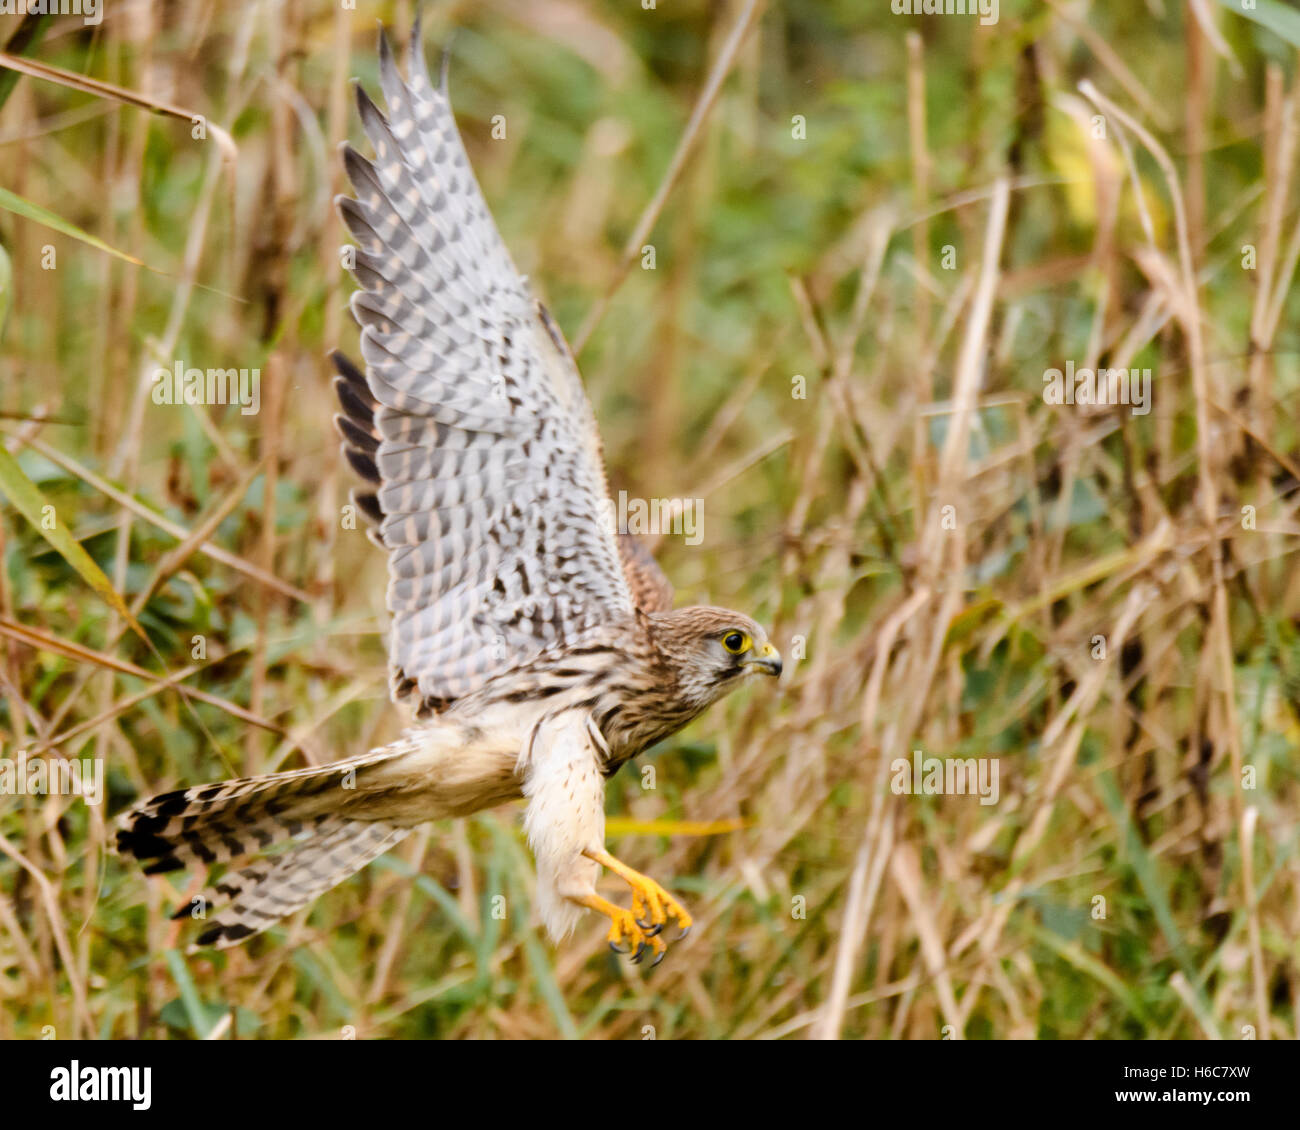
x=735 y=642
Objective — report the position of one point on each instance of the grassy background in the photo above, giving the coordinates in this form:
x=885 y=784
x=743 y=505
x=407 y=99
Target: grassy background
x=908 y=219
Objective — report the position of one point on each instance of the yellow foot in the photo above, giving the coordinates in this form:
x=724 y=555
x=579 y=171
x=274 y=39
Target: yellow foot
x=625 y=927
x=652 y=906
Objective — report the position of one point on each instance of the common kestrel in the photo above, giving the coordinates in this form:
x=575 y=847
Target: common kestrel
x=538 y=647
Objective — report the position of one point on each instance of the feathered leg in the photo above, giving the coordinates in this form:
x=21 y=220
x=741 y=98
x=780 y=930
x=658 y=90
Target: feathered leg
x=565 y=823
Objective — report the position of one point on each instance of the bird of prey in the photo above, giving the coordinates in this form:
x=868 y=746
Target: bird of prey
x=538 y=647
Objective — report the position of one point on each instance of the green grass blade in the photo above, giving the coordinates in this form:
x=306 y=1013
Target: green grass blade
x=1147 y=871
x=189 y=994
x=548 y=988
x=1098 y=970
x=435 y=891
x=31 y=504
x=14 y=203
x=1278 y=18
x=23 y=41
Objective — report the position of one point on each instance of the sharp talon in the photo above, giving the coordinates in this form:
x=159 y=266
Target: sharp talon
x=642 y=925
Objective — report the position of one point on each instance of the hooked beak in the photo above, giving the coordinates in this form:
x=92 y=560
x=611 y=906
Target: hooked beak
x=768 y=660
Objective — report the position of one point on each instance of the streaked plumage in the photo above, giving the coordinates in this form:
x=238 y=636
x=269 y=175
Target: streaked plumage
x=538 y=648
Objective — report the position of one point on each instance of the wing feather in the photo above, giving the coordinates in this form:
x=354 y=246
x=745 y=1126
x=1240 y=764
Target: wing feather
x=471 y=420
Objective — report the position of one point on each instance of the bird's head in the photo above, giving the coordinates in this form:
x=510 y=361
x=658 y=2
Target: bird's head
x=711 y=651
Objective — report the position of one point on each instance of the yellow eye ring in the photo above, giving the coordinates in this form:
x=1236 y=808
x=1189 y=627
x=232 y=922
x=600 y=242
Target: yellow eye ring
x=736 y=642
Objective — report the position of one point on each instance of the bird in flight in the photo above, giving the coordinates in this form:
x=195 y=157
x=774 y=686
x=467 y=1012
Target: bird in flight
x=538 y=648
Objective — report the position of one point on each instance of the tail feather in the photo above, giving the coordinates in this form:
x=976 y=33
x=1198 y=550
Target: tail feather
x=271 y=889
x=217 y=823
x=223 y=821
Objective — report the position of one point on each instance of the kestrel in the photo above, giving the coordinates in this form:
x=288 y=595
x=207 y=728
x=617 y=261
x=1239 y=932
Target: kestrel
x=538 y=647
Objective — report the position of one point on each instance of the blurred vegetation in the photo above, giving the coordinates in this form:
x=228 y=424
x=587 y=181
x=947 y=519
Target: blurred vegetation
x=909 y=219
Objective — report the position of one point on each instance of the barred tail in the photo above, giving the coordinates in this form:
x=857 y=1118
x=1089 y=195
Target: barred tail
x=264 y=892
x=221 y=822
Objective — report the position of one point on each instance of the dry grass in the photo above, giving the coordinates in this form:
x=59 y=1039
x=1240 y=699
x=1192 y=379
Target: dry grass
x=1097 y=610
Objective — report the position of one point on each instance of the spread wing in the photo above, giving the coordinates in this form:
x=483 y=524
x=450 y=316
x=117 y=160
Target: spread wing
x=470 y=417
